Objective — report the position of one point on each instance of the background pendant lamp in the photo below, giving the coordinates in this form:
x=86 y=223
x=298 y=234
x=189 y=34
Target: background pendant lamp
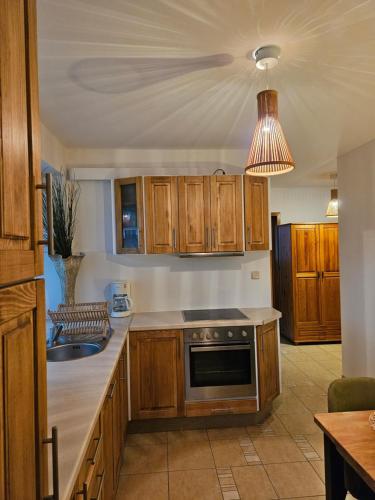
x=269 y=152
x=333 y=205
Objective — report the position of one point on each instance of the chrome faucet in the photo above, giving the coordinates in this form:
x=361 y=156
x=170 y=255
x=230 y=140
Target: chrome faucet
x=54 y=337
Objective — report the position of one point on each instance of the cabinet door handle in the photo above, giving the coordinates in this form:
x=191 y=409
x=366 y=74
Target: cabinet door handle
x=55 y=465
x=174 y=238
x=110 y=395
x=95 y=457
x=123 y=378
x=208 y=238
x=49 y=214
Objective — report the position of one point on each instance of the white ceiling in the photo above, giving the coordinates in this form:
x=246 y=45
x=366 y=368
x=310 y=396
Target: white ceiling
x=174 y=74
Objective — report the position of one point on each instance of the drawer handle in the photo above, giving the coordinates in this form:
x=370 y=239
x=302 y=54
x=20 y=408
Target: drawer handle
x=222 y=411
x=110 y=395
x=123 y=378
x=49 y=212
x=100 y=489
x=84 y=491
x=55 y=465
x=95 y=457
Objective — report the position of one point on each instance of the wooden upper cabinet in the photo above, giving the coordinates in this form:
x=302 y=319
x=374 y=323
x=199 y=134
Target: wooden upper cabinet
x=129 y=215
x=226 y=213
x=256 y=213
x=161 y=214
x=23 y=416
x=194 y=214
x=157 y=374
x=268 y=363
x=21 y=257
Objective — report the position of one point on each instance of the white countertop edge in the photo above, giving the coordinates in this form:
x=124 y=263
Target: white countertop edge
x=168 y=320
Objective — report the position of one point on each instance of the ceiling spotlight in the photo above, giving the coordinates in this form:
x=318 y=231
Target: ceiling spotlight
x=266 y=57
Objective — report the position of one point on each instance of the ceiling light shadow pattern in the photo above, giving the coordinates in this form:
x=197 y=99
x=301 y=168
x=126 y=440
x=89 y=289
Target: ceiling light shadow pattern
x=117 y=75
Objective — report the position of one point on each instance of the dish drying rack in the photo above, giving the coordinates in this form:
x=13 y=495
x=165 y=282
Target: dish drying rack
x=87 y=319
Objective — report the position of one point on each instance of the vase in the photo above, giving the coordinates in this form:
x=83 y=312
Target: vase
x=67 y=270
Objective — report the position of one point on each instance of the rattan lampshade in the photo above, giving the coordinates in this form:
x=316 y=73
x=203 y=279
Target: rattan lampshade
x=269 y=152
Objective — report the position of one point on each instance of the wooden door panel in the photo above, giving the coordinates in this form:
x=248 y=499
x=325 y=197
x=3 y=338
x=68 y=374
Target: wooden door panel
x=161 y=214
x=20 y=205
x=226 y=213
x=20 y=420
x=194 y=213
x=156 y=374
x=107 y=421
x=307 y=304
x=305 y=244
x=329 y=248
x=256 y=213
x=268 y=360
x=15 y=199
x=330 y=297
x=23 y=423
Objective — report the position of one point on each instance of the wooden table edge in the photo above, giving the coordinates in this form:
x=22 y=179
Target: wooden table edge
x=370 y=481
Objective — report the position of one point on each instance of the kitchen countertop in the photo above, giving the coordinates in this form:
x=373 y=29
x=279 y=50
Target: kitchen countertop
x=168 y=320
x=76 y=391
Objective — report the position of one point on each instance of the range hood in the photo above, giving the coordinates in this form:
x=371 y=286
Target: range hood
x=211 y=254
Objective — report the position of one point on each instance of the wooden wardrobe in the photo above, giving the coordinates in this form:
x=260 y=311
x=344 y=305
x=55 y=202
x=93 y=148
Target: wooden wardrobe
x=309 y=282
x=24 y=436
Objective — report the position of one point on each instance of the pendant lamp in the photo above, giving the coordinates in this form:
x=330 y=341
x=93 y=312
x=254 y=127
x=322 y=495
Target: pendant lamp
x=269 y=152
x=333 y=205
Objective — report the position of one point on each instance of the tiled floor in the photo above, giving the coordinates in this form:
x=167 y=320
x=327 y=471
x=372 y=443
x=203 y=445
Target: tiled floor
x=281 y=458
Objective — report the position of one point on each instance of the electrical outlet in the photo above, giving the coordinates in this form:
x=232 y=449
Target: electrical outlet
x=255 y=275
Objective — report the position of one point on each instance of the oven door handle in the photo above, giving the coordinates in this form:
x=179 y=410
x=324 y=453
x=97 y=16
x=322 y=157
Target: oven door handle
x=239 y=347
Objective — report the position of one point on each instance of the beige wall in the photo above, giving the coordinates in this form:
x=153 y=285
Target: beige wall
x=356 y=172
x=53 y=151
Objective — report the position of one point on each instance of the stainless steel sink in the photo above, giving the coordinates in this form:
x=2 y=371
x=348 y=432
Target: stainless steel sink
x=67 y=352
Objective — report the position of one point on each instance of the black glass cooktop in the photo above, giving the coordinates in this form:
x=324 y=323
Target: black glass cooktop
x=212 y=314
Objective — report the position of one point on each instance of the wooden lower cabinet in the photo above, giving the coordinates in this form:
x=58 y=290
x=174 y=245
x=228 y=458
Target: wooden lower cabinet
x=23 y=416
x=268 y=363
x=157 y=374
x=99 y=475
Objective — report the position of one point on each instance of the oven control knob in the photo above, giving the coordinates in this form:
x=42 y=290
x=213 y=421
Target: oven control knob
x=216 y=335
x=208 y=335
x=230 y=334
x=244 y=334
x=201 y=335
x=195 y=336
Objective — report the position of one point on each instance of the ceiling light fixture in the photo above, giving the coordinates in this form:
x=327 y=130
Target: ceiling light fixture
x=333 y=205
x=269 y=152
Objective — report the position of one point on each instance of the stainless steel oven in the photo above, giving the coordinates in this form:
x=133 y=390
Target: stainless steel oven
x=220 y=363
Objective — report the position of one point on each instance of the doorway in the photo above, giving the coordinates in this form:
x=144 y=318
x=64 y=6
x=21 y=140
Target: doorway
x=274 y=255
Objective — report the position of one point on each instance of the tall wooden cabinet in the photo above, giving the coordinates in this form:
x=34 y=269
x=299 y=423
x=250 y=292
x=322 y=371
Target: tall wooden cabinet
x=309 y=282
x=23 y=419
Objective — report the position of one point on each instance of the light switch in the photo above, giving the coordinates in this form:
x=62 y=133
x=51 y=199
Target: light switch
x=255 y=275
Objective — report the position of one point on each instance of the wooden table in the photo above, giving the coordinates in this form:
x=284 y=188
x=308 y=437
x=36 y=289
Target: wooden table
x=347 y=436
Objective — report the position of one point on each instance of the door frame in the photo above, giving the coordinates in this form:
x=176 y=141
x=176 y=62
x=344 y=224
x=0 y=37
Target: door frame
x=274 y=256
